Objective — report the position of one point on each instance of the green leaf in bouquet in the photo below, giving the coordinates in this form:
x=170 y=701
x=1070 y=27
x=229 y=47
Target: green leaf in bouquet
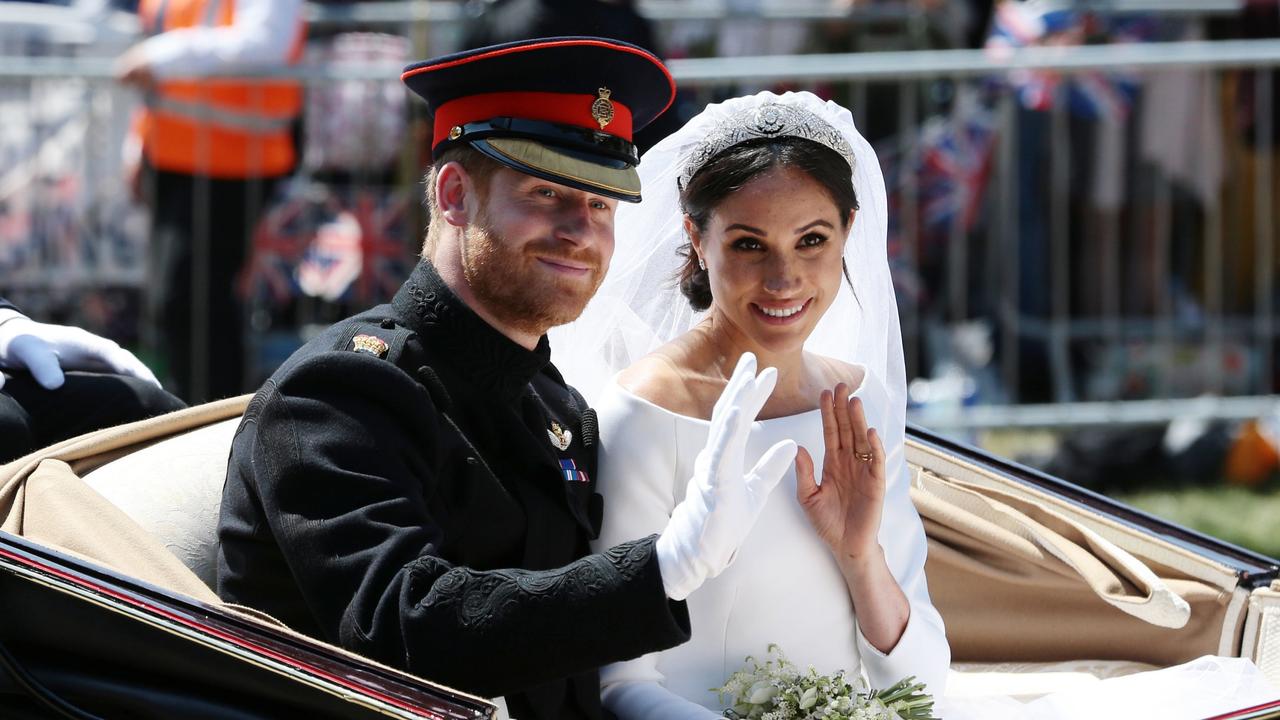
x=809 y=697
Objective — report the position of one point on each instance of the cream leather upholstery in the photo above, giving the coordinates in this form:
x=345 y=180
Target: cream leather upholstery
x=173 y=490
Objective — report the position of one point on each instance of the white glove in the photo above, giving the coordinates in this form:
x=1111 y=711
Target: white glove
x=46 y=350
x=722 y=502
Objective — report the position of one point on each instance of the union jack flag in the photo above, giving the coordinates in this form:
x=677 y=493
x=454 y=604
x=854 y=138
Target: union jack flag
x=278 y=240
x=1105 y=95
x=947 y=163
x=340 y=246
x=388 y=252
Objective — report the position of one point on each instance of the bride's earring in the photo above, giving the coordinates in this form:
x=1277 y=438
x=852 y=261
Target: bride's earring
x=702 y=264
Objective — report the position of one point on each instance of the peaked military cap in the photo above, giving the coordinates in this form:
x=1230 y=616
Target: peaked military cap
x=561 y=108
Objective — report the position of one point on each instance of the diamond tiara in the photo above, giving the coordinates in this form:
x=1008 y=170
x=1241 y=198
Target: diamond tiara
x=774 y=120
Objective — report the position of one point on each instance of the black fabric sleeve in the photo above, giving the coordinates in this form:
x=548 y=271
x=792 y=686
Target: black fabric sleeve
x=345 y=470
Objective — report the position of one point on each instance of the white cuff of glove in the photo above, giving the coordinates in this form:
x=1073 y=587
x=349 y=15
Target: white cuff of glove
x=678 y=560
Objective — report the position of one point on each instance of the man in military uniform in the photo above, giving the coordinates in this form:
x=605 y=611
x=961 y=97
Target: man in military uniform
x=416 y=483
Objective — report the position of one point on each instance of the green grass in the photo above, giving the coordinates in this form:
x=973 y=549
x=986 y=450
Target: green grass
x=1245 y=517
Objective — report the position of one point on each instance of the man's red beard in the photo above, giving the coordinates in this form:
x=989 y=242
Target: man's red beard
x=519 y=293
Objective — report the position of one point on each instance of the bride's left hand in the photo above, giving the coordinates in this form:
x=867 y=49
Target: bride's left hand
x=845 y=509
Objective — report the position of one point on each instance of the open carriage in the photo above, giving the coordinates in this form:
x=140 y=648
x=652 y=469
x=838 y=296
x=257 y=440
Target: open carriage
x=108 y=547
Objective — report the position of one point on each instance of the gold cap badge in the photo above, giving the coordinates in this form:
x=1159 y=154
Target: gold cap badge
x=559 y=436
x=369 y=344
x=602 y=108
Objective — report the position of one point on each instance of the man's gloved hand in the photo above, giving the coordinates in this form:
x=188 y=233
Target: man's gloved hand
x=46 y=350
x=722 y=502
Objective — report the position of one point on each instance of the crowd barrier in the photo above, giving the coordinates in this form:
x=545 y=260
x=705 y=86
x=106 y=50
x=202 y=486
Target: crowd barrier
x=1079 y=235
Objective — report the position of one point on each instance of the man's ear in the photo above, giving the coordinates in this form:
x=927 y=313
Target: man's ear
x=453 y=189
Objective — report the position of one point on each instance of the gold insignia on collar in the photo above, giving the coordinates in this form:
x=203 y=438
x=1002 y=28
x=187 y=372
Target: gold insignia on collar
x=370 y=345
x=559 y=436
x=602 y=108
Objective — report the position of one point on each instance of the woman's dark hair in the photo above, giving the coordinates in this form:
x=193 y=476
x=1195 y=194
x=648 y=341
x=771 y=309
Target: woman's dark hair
x=732 y=169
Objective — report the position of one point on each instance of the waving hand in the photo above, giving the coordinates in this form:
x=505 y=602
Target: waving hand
x=845 y=507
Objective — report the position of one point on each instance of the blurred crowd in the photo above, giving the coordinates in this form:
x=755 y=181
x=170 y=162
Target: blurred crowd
x=215 y=269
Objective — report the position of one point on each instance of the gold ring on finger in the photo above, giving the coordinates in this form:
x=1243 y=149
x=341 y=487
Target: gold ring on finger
x=864 y=457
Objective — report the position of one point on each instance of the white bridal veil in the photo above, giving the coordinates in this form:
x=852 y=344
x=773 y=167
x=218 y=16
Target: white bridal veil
x=640 y=307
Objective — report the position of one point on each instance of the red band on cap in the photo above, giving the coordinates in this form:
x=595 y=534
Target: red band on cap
x=564 y=108
x=575 y=42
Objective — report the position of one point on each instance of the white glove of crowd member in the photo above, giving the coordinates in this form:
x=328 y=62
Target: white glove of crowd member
x=722 y=501
x=46 y=350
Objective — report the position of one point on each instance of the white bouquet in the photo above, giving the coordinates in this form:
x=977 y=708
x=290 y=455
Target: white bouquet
x=777 y=690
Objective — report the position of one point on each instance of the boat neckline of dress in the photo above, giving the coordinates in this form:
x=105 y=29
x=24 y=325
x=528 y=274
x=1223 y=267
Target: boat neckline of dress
x=626 y=391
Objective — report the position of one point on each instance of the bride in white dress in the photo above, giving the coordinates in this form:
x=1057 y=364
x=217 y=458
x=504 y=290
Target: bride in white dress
x=783 y=206
x=833 y=571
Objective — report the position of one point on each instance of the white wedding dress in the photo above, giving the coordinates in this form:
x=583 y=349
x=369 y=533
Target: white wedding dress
x=1202 y=688
x=783 y=587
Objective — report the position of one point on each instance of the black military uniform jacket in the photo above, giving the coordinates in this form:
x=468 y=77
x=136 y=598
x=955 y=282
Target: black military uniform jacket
x=414 y=486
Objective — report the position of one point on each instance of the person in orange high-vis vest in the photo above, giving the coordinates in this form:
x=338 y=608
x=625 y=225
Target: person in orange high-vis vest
x=205 y=151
